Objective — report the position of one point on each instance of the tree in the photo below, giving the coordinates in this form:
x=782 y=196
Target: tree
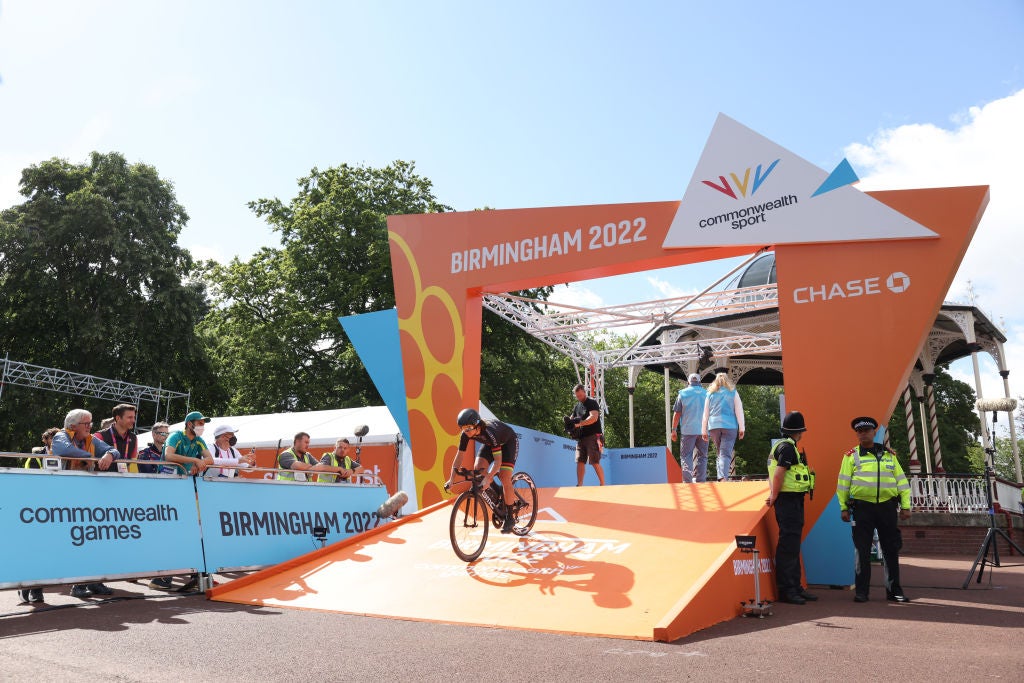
x=274 y=332
x=93 y=281
x=959 y=427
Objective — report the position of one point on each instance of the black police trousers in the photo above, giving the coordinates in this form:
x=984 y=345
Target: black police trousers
x=789 y=513
x=867 y=517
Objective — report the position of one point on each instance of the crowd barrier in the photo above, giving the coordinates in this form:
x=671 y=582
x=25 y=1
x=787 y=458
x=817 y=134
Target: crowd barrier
x=64 y=526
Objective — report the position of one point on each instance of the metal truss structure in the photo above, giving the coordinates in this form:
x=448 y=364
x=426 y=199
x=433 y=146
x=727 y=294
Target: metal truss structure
x=16 y=373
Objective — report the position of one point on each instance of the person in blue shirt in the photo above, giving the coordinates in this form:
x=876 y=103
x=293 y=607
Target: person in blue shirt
x=687 y=414
x=723 y=421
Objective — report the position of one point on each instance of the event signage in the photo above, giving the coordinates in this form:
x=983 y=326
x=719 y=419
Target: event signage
x=747 y=189
x=255 y=523
x=60 y=526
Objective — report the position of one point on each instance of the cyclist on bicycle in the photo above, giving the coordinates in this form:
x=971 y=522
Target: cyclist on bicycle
x=498 y=456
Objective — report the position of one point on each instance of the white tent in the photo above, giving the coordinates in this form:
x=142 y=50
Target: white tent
x=276 y=430
x=324 y=427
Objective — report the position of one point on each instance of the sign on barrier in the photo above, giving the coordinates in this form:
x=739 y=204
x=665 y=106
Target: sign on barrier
x=254 y=522
x=62 y=526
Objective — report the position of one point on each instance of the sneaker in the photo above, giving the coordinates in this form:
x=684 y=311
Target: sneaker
x=860 y=597
x=81 y=590
x=24 y=595
x=161 y=583
x=35 y=595
x=192 y=586
x=100 y=589
x=898 y=597
x=510 y=521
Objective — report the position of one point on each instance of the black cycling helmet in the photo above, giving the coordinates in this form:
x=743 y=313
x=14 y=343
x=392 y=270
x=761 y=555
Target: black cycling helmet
x=468 y=416
x=793 y=422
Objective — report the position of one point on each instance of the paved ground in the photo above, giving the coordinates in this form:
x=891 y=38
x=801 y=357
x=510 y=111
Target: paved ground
x=946 y=634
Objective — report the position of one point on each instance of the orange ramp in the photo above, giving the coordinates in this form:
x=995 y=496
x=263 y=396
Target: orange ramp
x=646 y=562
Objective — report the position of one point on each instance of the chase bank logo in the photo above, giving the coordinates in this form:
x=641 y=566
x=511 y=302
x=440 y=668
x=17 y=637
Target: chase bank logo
x=741 y=186
x=897 y=283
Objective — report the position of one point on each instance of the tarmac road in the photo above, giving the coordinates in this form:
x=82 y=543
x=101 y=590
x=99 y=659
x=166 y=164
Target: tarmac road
x=945 y=634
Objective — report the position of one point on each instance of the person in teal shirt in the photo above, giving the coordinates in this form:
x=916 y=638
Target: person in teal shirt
x=187 y=447
x=723 y=421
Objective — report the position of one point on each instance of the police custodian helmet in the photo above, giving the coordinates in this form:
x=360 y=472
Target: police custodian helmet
x=793 y=422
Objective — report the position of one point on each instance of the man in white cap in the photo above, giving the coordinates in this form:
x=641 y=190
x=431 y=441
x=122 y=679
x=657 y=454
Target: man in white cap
x=687 y=414
x=226 y=458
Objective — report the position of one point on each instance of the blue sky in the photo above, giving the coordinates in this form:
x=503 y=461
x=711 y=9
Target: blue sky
x=524 y=104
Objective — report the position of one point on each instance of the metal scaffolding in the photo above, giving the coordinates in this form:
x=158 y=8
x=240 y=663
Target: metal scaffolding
x=16 y=373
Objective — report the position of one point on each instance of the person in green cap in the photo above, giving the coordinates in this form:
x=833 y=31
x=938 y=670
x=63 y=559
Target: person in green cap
x=187 y=447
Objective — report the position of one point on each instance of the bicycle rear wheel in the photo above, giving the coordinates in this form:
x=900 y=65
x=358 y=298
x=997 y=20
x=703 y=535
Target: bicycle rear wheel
x=468 y=527
x=526 y=499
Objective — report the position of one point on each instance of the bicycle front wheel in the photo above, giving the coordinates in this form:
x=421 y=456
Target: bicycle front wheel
x=526 y=501
x=468 y=527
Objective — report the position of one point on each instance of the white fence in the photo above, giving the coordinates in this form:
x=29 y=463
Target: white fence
x=960 y=494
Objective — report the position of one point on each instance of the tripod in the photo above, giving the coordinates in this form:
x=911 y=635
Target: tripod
x=990 y=544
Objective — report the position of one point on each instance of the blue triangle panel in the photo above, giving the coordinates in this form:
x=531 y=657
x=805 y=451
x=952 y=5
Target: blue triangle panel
x=375 y=337
x=843 y=175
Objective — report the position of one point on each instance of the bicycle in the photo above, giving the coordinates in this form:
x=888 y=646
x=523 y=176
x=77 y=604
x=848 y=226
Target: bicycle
x=469 y=527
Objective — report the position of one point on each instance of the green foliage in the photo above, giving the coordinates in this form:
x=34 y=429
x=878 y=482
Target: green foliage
x=959 y=426
x=93 y=281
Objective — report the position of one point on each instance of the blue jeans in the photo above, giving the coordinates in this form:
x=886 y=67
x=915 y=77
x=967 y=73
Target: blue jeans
x=687 y=442
x=724 y=440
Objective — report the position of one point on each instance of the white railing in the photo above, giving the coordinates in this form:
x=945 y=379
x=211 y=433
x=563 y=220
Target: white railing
x=959 y=494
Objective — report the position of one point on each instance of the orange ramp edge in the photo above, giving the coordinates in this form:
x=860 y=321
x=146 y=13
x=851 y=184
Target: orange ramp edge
x=643 y=562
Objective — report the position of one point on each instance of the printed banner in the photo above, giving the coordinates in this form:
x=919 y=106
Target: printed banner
x=60 y=526
x=245 y=526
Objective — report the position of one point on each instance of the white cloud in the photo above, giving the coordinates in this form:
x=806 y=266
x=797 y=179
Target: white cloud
x=574 y=294
x=668 y=290
x=203 y=252
x=984 y=146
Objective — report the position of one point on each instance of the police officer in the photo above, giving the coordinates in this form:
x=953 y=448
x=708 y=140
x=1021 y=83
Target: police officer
x=874 y=491
x=790 y=480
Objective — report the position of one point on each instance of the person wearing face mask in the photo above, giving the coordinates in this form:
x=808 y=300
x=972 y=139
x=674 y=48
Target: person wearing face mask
x=187 y=446
x=225 y=453
x=189 y=450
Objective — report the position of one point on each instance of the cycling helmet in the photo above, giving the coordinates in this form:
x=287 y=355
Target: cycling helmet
x=793 y=422
x=469 y=417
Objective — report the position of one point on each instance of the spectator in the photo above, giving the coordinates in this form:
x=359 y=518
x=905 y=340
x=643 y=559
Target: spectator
x=76 y=441
x=188 y=449
x=723 y=421
x=297 y=460
x=686 y=414
x=106 y=422
x=155 y=449
x=36 y=463
x=120 y=433
x=586 y=415
x=225 y=453
x=340 y=462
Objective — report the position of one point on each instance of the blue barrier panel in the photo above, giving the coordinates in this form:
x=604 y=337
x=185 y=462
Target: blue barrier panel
x=256 y=522
x=635 y=465
x=62 y=526
x=551 y=461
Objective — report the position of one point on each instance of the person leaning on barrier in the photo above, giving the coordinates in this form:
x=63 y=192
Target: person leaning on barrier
x=120 y=434
x=225 y=453
x=38 y=452
x=874 y=494
x=187 y=447
x=789 y=480
x=155 y=449
x=340 y=463
x=75 y=440
x=297 y=460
